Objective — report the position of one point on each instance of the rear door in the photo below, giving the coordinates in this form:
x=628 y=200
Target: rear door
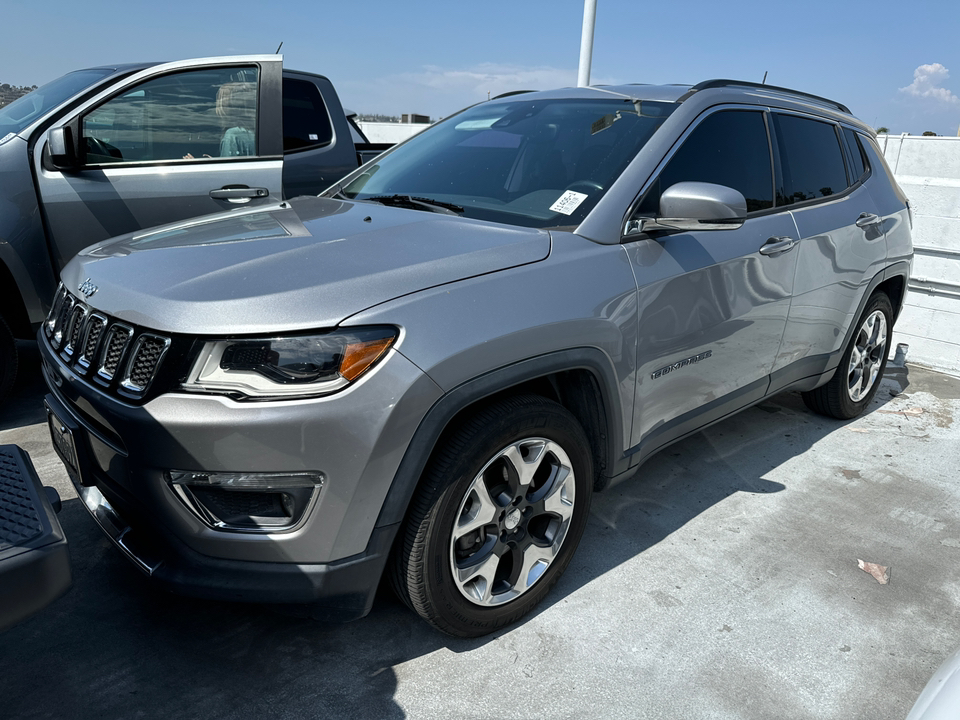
x=172 y=142
x=318 y=149
x=822 y=180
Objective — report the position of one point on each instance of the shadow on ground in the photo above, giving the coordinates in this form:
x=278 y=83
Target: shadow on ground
x=115 y=646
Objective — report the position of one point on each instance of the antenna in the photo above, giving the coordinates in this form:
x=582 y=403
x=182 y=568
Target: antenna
x=762 y=82
x=281 y=45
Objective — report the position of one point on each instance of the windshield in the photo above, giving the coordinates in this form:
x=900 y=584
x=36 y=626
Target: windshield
x=530 y=162
x=23 y=111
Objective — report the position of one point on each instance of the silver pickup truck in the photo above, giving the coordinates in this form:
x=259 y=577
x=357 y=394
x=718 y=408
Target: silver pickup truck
x=109 y=150
x=428 y=369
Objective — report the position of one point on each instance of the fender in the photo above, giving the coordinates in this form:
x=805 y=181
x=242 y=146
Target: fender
x=446 y=408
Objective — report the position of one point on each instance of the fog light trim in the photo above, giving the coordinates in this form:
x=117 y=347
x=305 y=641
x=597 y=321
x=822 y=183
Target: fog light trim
x=297 y=494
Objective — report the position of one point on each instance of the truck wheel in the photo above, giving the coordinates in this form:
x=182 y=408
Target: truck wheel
x=858 y=376
x=500 y=512
x=8 y=360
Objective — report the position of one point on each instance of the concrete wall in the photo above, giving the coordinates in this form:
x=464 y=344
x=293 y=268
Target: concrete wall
x=389 y=132
x=928 y=170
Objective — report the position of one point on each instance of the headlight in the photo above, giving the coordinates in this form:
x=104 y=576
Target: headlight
x=302 y=366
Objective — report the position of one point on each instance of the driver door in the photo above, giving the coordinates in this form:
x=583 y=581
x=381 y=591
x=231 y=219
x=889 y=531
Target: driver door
x=713 y=303
x=170 y=143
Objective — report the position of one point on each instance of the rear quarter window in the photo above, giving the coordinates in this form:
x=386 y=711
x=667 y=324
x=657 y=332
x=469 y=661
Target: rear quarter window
x=811 y=159
x=306 y=123
x=858 y=165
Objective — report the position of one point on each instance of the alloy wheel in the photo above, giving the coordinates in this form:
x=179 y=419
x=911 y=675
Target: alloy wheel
x=512 y=521
x=867 y=355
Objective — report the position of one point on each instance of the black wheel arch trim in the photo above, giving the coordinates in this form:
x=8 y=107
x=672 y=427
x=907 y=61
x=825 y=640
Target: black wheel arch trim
x=439 y=416
x=899 y=269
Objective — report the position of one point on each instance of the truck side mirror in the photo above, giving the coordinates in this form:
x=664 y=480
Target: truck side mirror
x=63 y=152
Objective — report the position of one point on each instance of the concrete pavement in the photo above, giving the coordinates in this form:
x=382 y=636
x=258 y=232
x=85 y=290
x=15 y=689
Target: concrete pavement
x=721 y=582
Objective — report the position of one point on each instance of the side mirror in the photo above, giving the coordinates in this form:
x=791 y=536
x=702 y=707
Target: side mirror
x=63 y=151
x=697 y=206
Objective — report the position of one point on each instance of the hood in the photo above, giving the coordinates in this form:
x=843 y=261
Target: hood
x=303 y=264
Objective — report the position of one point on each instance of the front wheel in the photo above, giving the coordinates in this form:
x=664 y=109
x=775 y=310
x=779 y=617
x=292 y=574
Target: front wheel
x=861 y=367
x=499 y=514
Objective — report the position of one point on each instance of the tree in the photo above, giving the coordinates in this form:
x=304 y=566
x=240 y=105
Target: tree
x=882 y=130
x=929 y=133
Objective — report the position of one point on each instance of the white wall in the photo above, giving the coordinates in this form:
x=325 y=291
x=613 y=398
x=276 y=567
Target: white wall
x=389 y=132
x=928 y=170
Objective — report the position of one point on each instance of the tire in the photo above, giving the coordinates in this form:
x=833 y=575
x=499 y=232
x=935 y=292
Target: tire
x=861 y=367
x=484 y=542
x=8 y=360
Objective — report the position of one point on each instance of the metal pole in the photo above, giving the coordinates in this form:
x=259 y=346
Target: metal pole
x=586 y=42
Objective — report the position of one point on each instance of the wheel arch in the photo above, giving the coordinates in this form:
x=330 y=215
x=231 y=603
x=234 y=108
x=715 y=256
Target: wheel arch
x=892 y=281
x=894 y=284
x=12 y=307
x=581 y=379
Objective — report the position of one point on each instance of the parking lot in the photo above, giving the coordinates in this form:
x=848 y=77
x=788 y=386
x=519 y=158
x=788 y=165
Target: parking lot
x=721 y=582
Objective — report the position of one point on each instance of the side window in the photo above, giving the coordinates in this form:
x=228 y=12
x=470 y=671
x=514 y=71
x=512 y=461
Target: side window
x=189 y=115
x=811 y=159
x=858 y=164
x=728 y=148
x=305 y=119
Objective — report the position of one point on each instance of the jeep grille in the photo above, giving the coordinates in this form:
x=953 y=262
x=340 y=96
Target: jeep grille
x=107 y=351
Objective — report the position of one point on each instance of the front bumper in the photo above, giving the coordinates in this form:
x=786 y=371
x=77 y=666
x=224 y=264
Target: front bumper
x=342 y=590
x=335 y=557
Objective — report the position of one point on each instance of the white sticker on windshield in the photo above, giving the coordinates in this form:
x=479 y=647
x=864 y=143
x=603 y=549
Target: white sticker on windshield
x=568 y=202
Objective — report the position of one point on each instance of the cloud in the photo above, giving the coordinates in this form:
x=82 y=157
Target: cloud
x=439 y=91
x=927 y=82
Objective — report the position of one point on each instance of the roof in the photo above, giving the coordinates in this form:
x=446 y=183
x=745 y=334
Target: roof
x=729 y=90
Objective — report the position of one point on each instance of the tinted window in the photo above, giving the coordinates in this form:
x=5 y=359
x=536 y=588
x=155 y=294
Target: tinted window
x=305 y=120
x=190 y=115
x=810 y=158
x=23 y=111
x=857 y=164
x=728 y=148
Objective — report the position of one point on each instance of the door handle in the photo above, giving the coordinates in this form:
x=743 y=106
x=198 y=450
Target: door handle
x=238 y=192
x=867 y=219
x=777 y=245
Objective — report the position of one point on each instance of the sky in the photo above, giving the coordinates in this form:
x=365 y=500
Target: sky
x=895 y=64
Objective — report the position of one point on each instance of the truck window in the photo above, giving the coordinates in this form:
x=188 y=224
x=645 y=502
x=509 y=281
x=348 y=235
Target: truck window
x=192 y=115
x=727 y=148
x=810 y=158
x=306 y=123
x=21 y=112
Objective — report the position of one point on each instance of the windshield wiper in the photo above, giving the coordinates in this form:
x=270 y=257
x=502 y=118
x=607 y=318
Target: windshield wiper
x=419 y=203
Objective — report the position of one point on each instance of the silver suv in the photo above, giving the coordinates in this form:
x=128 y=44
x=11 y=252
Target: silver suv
x=428 y=369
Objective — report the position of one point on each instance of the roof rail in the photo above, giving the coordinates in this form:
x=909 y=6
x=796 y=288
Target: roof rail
x=511 y=93
x=707 y=84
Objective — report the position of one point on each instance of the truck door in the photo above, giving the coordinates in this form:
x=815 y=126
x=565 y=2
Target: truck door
x=170 y=143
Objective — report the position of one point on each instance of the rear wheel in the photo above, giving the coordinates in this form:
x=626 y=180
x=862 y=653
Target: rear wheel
x=858 y=376
x=8 y=359
x=500 y=512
